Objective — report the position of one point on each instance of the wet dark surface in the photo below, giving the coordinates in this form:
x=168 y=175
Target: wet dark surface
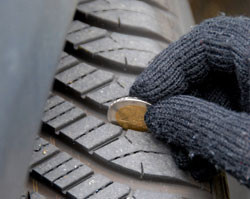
x=211 y=8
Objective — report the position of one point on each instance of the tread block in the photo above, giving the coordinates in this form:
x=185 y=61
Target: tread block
x=164 y=4
x=124 y=49
x=113 y=191
x=133 y=14
x=57 y=110
x=66 y=118
x=80 y=127
x=142 y=194
x=99 y=136
x=125 y=82
x=137 y=149
x=128 y=56
x=42 y=150
x=133 y=141
x=73 y=177
x=154 y=164
x=83 y=78
x=85 y=35
x=62 y=170
x=115 y=149
x=108 y=94
x=146 y=142
x=76 y=26
x=138 y=43
x=89 y=187
x=74 y=73
x=66 y=62
x=92 y=81
x=101 y=45
x=60 y=113
x=121 y=41
x=51 y=163
x=52 y=102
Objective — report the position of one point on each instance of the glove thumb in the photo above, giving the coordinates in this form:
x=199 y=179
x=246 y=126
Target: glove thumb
x=216 y=134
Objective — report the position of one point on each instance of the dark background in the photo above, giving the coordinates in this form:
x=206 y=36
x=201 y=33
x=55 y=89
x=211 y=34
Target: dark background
x=203 y=9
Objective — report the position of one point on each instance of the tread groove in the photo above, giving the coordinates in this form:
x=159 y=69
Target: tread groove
x=128 y=139
x=142 y=170
x=102 y=144
x=89 y=131
x=75 y=168
x=157 y=5
x=121 y=28
x=88 y=40
x=53 y=107
x=127 y=10
x=114 y=49
x=77 y=30
x=72 y=64
x=63 y=113
x=57 y=166
x=96 y=108
x=100 y=189
x=132 y=153
x=75 y=183
x=44 y=159
x=82 y=103
x=88 y=1
x=62 y=86
x=81 y=77
x=102 y=63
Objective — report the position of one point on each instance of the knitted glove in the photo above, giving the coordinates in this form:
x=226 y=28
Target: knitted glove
x=200 y=90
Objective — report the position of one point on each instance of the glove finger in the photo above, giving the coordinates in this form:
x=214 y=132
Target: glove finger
x=218 y=135
x=210 y=46
x=165 y=76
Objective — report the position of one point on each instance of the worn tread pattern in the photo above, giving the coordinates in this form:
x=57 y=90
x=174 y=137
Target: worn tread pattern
x=74 y=180
x=108 y=44
x=131 y=17
x=59 y=113
x=120 y=53
x=127 y=53
x=134 y=151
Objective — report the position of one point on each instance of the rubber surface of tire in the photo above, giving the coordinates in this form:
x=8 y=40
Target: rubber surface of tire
x=81 y=155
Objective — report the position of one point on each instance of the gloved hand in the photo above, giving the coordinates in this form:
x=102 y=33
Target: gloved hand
x=199 y=88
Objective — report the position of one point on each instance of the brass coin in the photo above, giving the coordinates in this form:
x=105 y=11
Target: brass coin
x=128 y=112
